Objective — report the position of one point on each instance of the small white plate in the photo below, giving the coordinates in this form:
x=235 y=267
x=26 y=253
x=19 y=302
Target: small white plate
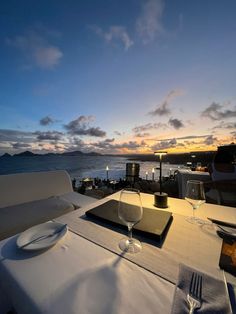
x=38 y=231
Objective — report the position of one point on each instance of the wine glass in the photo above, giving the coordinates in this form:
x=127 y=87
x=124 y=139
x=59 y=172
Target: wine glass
x=195 y=195
x=130 y=211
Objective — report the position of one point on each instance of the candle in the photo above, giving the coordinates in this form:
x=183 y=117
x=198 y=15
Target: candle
x=153 y=173
x=107 y=170
x=146 y=175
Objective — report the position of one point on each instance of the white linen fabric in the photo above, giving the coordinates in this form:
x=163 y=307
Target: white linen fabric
x=77 y=199
x=26 y=187
x=77 y=276
x=193 y=245
x=17 y=218
x=214 y=294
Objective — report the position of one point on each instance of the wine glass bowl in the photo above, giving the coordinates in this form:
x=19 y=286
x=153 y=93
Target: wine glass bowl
x=195 y=196
x=130 y=212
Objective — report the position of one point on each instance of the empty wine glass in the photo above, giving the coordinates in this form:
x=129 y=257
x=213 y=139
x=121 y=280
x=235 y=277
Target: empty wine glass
x=130 y=211
x=195 y=195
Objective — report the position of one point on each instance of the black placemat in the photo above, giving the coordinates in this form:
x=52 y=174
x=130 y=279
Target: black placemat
x=153 y=225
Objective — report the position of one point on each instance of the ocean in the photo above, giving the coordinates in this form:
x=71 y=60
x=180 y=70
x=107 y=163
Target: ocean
x=80 y=167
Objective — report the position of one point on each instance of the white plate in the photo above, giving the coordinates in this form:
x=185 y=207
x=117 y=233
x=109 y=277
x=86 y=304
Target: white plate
x=35 y=232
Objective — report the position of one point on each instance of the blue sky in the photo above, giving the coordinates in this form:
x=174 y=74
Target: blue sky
x=117 y=76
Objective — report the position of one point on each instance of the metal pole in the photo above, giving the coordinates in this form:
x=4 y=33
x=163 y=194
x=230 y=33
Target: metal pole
x=160 y=177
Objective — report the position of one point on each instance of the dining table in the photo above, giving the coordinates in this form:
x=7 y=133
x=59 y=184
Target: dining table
x=86 y=272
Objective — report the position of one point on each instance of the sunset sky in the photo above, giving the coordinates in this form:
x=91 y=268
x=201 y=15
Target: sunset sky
x=124 y=76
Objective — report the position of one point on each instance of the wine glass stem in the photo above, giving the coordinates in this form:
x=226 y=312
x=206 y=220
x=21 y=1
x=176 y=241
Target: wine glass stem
x=130 y=233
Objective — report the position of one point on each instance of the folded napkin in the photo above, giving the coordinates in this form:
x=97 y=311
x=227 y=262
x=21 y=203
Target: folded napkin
x=226 y=232
x=214 y=294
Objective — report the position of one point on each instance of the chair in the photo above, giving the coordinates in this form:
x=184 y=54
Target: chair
x=222 y=187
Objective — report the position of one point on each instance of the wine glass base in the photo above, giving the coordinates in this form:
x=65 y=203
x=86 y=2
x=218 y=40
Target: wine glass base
x=195 y=220
x=130 y=245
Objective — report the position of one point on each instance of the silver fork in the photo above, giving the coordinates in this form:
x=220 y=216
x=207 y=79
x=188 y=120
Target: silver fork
x=194 y=296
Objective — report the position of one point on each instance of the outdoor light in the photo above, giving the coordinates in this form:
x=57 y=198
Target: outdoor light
x=107 y=170
x=146 y=175
x=160 y=198
x=153 y=173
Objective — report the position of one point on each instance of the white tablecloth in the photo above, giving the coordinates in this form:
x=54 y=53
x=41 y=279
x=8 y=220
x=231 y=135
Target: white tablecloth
x=78 y=276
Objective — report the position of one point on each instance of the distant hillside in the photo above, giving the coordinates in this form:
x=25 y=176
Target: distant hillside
x=181 y=158
x=30 y=154
x=26 y=154
x=6 y=155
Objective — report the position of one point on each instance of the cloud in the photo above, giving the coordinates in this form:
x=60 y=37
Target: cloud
x=149 y=23
x=15 y=136
x=46 y=121
x=80 y=126
x=210 y=140
x=19 y=145
x=163 y=109
x=117 y=133
x=49 y=135
x=165 y=144
x=145 y=134
x=176 y=123
x=224 y=125
x=114 y=34
x=187 y=137
x=109 y=145
x=148 y=126
x=75 y=143
x=106 y=144
x=36 y=50
x=215 y=112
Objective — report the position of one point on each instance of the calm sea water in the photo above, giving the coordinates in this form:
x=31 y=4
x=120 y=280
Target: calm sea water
x=80 y=167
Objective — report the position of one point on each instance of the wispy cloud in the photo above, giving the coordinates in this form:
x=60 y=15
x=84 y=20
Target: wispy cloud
x=46 y=121
x=164 y=108
x=36 y=50
x=20 y=145
x=210 y=140
x=145 y=134
x=164 y=144
x=187 y=137
x=117 y=133
x=149 y=23
x=15 y=135
x=176 y=123
x=149 y=126
x=115 y=34
x=80 y=126
x=49 y=135
x=224 y=125
x=215 y=112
